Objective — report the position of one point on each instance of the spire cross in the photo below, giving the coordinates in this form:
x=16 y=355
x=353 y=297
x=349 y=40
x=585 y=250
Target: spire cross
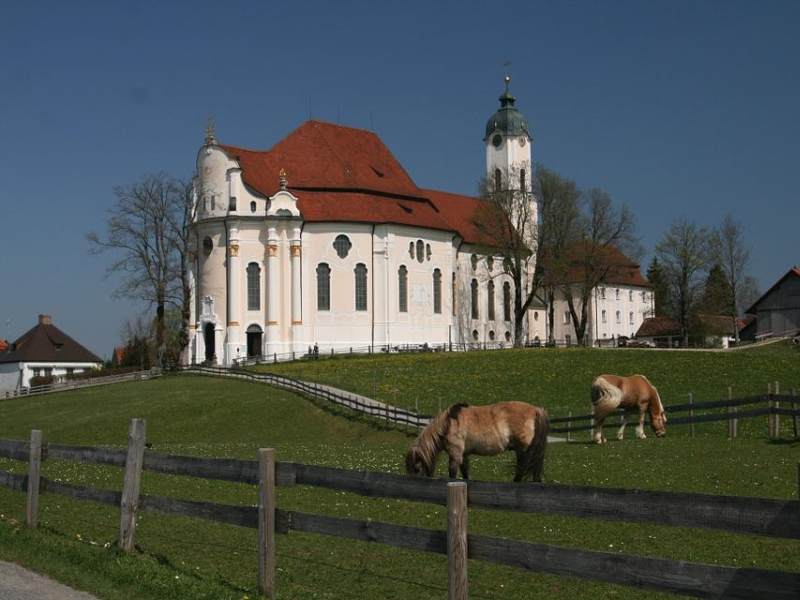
x=210 y=133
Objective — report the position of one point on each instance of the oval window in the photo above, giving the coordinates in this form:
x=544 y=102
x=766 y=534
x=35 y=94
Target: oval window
x=342 y=245
x=208 y=245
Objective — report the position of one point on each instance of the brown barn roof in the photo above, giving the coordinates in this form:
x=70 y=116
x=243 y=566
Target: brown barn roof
x=47 y=343
x=666 y=326
x=345 y=174
x=793 y=272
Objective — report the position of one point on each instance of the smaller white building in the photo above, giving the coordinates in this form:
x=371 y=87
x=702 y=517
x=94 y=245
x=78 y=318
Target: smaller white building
x=44 y=350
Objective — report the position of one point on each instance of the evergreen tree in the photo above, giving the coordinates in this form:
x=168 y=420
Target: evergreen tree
x=716 y=293
x=661 y=295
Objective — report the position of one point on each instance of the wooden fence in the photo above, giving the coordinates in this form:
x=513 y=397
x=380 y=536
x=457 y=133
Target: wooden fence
x=74 y=384
x=774 y=518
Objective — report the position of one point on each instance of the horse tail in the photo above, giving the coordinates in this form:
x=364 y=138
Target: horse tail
x=606 y=397
x=536 y=451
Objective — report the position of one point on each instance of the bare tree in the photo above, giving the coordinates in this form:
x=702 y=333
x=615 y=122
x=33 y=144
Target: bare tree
x=140 y=238
x=684 y=254
x=604 y=232
x=732 y=255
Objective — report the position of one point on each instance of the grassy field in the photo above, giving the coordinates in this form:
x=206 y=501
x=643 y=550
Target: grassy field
x=184 y=558
x=556 y=378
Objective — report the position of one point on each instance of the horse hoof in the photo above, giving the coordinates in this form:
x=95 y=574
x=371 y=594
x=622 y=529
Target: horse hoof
x=620 y=436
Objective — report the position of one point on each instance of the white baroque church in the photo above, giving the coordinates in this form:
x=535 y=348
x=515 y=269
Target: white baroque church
x=325 y=240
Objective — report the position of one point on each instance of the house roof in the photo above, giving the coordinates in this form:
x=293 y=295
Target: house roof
x=666 y=326
x=793 y=272
x=623 y=270
x=346 y=174
x=47 y=343
x=3 y=345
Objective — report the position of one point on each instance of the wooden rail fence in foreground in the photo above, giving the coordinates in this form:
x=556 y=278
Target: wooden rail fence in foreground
x=761 y=516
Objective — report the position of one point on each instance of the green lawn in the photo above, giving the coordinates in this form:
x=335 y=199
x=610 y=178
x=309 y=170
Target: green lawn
x=189 y=558
x=556 y=378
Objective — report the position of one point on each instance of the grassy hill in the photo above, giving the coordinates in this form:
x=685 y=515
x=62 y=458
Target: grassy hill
x=556 y=378
x=189 y=558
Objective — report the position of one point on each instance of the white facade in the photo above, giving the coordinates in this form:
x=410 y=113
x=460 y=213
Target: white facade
x=18 y=375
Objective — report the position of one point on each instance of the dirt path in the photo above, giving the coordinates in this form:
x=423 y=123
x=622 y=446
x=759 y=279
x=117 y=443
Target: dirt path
x=18 y=583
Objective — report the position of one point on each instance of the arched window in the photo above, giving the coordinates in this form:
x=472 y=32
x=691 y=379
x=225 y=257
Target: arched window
x=411 y=249
x=508 y=336
x=323 y=287
x=420 y=250
x=630 y=317
x=253 y=206
x=361 y=286
x=208 y=245
x=232 y=203
x=498 y=180
x=253 y=286
x=490 y=299
x=427 y=251
x=475 y=334
x=506 y=301
x=619 y=317
x=522 y=179
x=474 y=260
x=402 y=286
x=491 y=334
x=603 y=315
x=437 y=291
x=475 y=299
x=342 y=245
x=453 y=295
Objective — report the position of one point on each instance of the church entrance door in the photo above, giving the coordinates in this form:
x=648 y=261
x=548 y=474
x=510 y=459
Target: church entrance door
x=254 y=337
x=208 y=337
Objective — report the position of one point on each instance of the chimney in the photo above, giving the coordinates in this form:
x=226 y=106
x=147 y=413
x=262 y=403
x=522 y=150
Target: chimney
x=45 y=320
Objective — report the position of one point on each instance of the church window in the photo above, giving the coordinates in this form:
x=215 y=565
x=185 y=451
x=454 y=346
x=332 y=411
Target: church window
x=475 y=334
x=522 y=179
x=508 y=336
x=411 y=249
x=342 y=245
x=566 y=317
x=474 y=260
x=253 y=206
x=208 y=245
x=490 y=263
x=428 y=251
x=616 y=295
x=536 y=315
x=253 y=286
x=603 y=316
x=453 y=294
x=491 y=335
x=619 y=317
x=420 y=251
x=232 y=203
x=498 y=180
x=507 y=301
x=630 y=318
x=361 y=286
x=437 y=291
x=490 y=300
x=402 y=283
x=323 y=287
x=630 y=295
x=474 y=299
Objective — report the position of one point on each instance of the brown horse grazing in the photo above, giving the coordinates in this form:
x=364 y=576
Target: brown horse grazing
x=462 y=430
x=610 y=392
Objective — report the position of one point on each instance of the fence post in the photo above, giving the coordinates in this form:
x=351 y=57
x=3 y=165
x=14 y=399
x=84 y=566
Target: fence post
x=733 y=422
x=691 y=415
x=132 y=484
x=456 y=540
x=569 y=427
x=770 y=420
x=34 y=474
x=776 y=422
x=266 y=522
x=795 y=407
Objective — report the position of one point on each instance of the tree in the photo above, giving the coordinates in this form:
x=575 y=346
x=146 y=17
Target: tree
x=185 y=246
x=604 y=232
x=732 y=254
x=661 y=295
x=716 y=293
x=140 y=234
x=684 y=254
x=532 y=246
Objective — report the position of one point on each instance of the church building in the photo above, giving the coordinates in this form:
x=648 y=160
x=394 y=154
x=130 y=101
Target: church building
x=326 y=240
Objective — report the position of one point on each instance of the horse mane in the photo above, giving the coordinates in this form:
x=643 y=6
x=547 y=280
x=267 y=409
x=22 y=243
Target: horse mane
x=656 y=408
x=430 y=441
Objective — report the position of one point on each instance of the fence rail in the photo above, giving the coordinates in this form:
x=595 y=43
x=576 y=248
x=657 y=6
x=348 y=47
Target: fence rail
x=773 y=518
x=74 y=384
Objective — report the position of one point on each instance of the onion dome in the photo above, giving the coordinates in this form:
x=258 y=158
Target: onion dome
x=507 y=121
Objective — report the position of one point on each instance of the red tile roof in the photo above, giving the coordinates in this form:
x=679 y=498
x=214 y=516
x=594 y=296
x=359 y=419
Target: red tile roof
x=3 y=345
x=47 y=343
x=622 y=271
x=345 y=174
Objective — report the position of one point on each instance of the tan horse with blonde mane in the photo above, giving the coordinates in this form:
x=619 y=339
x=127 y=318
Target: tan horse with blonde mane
x=462 y=430
x=611 y=392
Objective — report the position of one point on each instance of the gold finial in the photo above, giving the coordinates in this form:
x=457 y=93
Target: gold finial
x=283 y=179
x=211 y=137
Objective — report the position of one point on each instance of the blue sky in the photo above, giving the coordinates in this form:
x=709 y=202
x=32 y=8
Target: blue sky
x=675 y=108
